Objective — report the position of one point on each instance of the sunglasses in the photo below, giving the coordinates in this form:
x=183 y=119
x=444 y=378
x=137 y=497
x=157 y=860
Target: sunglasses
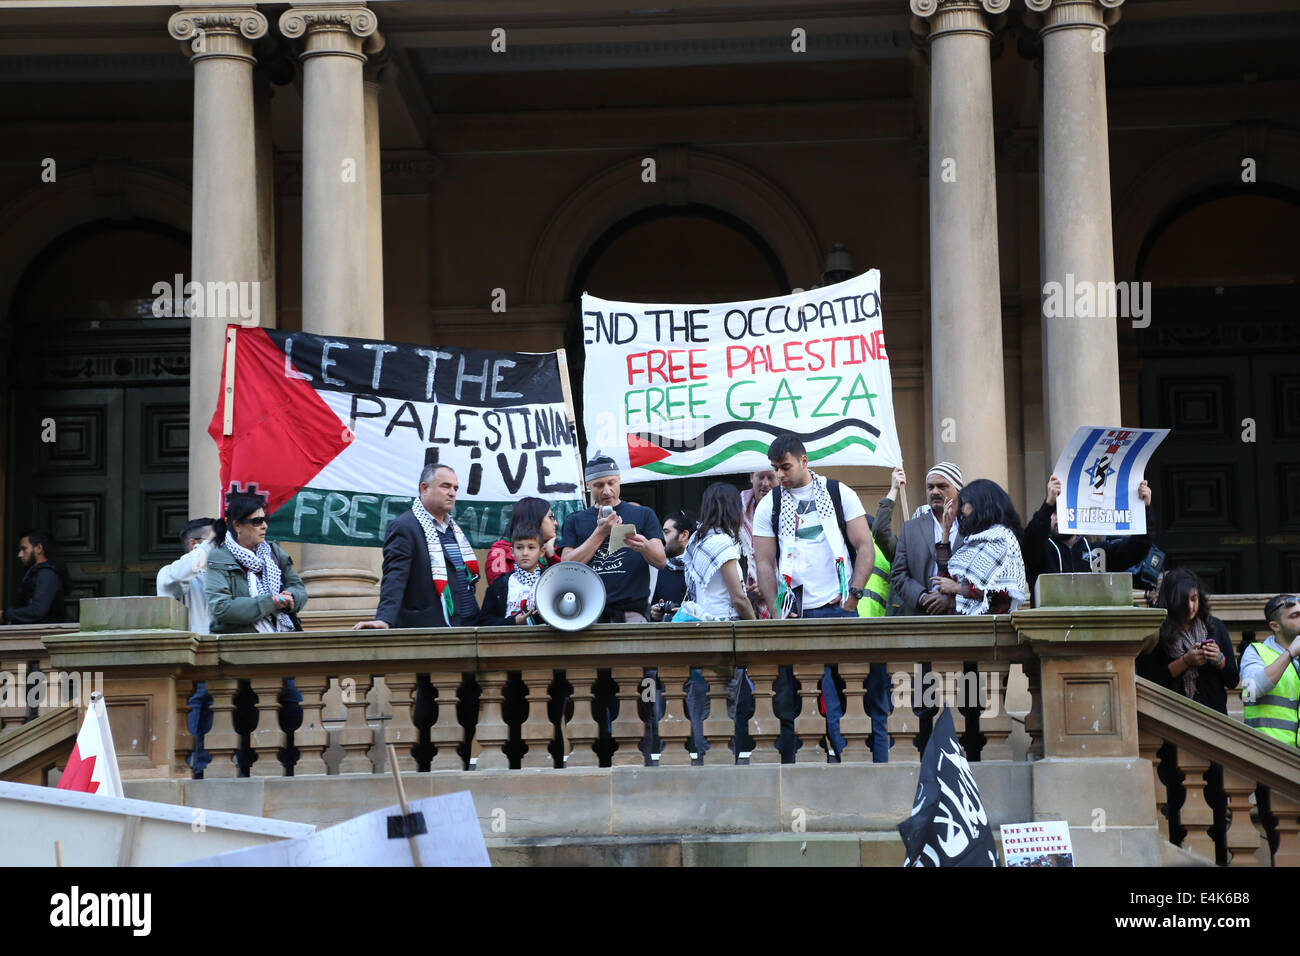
x=256 y=521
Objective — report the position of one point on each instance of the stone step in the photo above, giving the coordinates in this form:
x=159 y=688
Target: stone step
x=747 y=849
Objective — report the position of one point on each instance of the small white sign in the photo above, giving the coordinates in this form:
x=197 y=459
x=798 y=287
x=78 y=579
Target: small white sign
x=1042 y=843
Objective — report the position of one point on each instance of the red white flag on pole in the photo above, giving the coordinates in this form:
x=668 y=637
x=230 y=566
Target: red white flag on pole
x=92 y=768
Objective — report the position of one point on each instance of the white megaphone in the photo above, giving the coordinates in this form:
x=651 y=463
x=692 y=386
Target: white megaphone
x=570 y=596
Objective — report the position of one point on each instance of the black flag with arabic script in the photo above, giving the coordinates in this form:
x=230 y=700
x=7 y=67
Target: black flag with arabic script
x=948 y=825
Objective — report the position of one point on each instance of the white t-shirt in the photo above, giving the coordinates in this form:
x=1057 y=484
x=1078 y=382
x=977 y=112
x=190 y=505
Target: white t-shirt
x=814 y=564
x=715 y=599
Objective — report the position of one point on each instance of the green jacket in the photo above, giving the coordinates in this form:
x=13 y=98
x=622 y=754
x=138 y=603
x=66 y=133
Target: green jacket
x=233 y=610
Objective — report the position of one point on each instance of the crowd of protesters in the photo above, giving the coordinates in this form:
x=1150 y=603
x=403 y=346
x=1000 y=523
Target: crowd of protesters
x=793 y=544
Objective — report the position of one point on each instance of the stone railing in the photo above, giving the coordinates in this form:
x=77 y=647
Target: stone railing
x=22 y=655
x=326 y=702
x=1224 y=791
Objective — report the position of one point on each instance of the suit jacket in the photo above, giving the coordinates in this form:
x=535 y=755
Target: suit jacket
x=406 y=594
x=909 y=573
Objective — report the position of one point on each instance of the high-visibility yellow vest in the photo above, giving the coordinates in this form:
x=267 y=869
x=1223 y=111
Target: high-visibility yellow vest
x=1276 y=713
x=874 y=602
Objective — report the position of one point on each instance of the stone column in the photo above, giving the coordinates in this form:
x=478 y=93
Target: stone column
x=969 y=412
x=335 y=247
x=224 y=220
x=376 y=70
x=265 y=163
x=1080 y=354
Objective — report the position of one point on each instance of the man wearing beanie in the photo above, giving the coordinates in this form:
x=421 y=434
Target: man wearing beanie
x=925 y=544
x=625 y=572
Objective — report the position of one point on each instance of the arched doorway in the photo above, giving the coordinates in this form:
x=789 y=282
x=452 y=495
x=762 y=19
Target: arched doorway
x=98 y=405
x=1218 y=367
x=678 y=254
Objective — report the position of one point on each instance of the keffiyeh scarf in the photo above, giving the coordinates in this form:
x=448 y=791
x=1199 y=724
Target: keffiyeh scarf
x=520 y=590
x=990 y=560
x=263 y=580
x=439 y=561
x=1182 y=641
x=789 y=521
x=704 y=557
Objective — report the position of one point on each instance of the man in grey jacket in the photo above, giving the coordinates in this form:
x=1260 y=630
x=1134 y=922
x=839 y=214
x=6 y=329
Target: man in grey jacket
x=919 y=554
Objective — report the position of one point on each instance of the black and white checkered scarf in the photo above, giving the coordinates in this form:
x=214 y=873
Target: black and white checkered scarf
x=263 y=580
x=992 y=561
x=704 y=557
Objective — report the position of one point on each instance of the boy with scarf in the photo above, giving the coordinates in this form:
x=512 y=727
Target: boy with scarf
x=429 y=567
x=512 y=597
x=806 y=569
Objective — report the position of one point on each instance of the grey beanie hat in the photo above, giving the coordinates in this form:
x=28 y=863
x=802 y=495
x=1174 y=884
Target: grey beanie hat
x=600 y=466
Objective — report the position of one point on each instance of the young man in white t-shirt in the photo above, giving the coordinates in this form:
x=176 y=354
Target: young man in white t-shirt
x=804 y=570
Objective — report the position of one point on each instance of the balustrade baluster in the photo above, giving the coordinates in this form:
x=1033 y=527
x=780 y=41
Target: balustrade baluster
x=222 y=741
x=904 y=723
x=855 y=725
x=1242 y=838
x=446 y=733
x=311 y=738
x=1287 y=811
x=810 y=725
x=628 y=729
x=1149 y=749
x=1196 y=814
x=537 y=731
x=356 y=737
x=764 y=727
x=266 y=739
x=400 y=730
x=582 y=730
x=719 y=728
x=492 y=731
x=994 y=721
x=1034 y=719
x=674 y=728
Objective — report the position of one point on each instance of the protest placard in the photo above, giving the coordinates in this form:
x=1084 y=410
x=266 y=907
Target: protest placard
x=1041 y=843
x=336 y=430
x=1100 y=471
x=676 y=391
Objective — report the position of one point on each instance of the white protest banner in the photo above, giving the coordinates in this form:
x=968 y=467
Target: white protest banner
x=1100 y=471
x=678 y=391
x=453 y=837
x=335 y=431
x=1041 y=843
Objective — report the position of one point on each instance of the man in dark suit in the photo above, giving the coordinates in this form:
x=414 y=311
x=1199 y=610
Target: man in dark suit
x=918 y=555
x=413 y=592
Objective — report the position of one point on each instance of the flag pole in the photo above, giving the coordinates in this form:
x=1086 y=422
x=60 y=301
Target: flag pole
x=562 y=361
x=401 y=800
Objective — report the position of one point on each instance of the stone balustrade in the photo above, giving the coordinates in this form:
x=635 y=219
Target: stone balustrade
x=1223 y=791
x=326 y=702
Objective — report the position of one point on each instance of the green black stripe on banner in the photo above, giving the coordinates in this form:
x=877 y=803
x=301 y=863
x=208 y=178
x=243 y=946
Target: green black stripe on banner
x=361 y=518
x=685 y=471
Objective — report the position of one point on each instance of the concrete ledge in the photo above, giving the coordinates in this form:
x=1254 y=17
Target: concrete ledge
x=1111 y=589
x=133 y=614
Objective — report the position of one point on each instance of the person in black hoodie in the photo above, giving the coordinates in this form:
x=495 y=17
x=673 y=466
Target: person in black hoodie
x=40 y=596
x=1193 y=657
x=1049 y=552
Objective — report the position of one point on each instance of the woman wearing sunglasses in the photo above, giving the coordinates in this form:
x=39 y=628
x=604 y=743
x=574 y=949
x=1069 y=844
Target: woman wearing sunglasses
x=251 y=584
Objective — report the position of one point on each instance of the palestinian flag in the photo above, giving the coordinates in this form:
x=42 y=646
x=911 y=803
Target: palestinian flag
x=335 y=431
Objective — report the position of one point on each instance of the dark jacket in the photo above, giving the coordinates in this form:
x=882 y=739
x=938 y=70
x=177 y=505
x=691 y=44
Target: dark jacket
x=882 y=529
x=495 y=599
x=406 y=595
x=908 y=575
x=40 y=596
x=1211 y=683
x=1047 y=555
x=232 y=609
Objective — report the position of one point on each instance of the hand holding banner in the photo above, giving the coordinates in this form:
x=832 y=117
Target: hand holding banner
x=1100 y=471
